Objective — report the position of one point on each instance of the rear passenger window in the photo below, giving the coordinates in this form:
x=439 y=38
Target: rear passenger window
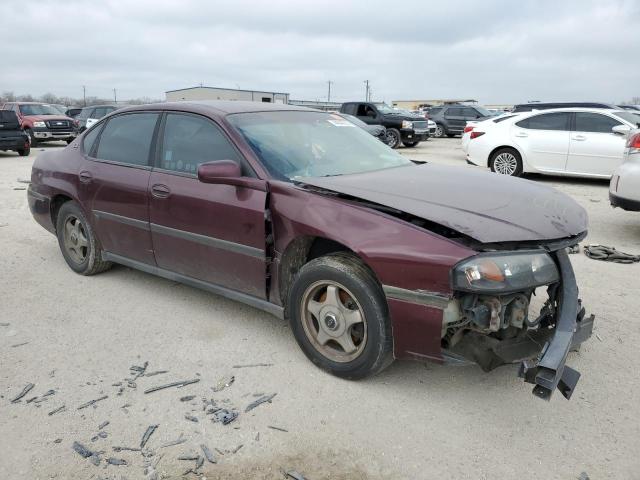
x=546 y=121
x=454 y=112
x=191 y=140
x=89 y=139
x=127 y=138
x=594 y=122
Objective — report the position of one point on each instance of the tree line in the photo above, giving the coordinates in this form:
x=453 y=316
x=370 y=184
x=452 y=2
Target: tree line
x=70 y=101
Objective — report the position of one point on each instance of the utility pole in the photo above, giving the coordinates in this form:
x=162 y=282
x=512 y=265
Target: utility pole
x=366 y=91
x=115 y=98
x=329 y=93
x=84 y=95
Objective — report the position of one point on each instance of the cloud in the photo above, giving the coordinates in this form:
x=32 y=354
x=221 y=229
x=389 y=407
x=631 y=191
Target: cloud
x=495 y=51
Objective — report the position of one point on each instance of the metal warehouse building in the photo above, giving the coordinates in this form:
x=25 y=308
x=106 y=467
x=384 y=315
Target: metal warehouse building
x=215 y=93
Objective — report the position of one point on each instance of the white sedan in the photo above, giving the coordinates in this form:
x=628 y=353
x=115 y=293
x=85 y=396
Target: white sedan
x=582 y=142
x=624 y=189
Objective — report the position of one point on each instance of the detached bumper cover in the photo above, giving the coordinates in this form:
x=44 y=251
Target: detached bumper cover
x=550 y=371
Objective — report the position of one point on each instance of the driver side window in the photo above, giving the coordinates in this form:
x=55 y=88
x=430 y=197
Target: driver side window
x=190 y=140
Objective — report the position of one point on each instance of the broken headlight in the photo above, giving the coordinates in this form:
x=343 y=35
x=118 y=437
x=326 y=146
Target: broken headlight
x=505 y=272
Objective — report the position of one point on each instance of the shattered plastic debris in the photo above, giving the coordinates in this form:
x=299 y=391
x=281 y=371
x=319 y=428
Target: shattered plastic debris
x=179 y=384
x=223 y=383
x=224 y=416
x=147 y=435
x=179 y=441
x=57 y=410
x=208 y=453
x=254 y=365
x=82 y=450
x=103 y=424
x=191 y=418
x=187 y=398
x=24 y=391
x=277 y=428
x=92 y=402
x=260 y=401
x=295 y=475
x=126 y=449
x=116 y=461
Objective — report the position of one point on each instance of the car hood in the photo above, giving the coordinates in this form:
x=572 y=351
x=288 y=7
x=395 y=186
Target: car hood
x=42 y=118
x=484 y=206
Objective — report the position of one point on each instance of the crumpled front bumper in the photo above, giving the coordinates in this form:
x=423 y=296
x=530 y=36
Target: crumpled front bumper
x=550 y=371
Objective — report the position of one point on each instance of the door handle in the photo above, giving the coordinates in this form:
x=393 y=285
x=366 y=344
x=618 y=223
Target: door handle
x=579 y=138
x=160 y=191
x=522 y=134
x=85 y=177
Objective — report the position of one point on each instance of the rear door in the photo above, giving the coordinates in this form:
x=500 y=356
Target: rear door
x=594 y=149
x=544 y=140
x=114 y=179
x=455 y=119
x=210 y=232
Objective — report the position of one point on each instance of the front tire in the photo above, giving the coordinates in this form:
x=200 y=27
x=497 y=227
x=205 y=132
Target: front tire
x=339 y=316
x=440 y=132
x=78 y=242
x=393 y=138
x=506 y=161
x=24 y=152
x=34 y=140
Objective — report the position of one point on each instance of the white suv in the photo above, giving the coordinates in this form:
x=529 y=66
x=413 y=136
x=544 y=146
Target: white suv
x=624 y=189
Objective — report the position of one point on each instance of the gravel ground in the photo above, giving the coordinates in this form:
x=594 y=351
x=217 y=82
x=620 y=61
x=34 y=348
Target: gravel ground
x=79 y=336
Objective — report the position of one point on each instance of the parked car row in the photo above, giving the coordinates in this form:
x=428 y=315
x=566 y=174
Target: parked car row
x=42 y=122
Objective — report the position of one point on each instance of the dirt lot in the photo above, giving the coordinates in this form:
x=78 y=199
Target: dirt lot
x=79 y=336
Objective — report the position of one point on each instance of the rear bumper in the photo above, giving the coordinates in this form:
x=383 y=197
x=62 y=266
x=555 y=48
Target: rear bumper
x=40 y=206
x=414 y=135
x=624 y=203
x=14 y=143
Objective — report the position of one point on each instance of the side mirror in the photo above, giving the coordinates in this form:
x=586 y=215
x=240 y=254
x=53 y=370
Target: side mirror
x=621 y=129
x=220 y=171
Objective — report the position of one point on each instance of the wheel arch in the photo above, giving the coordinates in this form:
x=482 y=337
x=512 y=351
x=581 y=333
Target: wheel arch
x=512 y=147
x=56 y=203
x=302 y=250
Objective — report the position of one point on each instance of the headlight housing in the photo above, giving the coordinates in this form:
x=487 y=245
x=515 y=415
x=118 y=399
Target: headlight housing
x=505 y=272
x=407 y=124
x=39 y=124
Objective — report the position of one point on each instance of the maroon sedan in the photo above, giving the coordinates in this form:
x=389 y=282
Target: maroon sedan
x=300 y=213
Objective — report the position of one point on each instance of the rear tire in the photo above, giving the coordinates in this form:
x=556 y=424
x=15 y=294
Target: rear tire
x=506 y=161
x=24 y=152
x=393 y=138
x=440 y=132
x=451 y=135
x=336 y=301
x=78 y=242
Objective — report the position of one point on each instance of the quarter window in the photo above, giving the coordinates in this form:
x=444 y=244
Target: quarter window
x=89 y=139
x=127 y=138
x=191 y=140
x=546 y=121
x=594 y=122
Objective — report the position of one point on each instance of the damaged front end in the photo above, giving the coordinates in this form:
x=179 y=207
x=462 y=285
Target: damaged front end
x=493 y=320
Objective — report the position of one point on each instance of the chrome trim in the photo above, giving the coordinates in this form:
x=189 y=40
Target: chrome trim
x=420 y=297
x=245 y=298
x=133 y=222
x=209 y=241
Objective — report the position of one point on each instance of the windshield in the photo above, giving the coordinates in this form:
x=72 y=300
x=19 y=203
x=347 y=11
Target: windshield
x=630 y=116
x=384 y=108
x=312 y=144
x=37 y=109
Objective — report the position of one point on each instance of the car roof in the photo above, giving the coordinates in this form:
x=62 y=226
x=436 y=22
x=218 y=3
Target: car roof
x=219 y=107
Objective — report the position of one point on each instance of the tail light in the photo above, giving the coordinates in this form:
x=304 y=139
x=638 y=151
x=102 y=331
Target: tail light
x=468 y=129
x=634 y=141
x=476 y=134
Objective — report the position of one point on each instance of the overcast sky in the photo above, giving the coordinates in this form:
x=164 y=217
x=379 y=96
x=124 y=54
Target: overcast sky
x=501 y=51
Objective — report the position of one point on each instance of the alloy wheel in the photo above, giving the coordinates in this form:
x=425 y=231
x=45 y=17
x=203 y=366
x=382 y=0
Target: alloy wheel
x=506 y=163
x=391 y=139
x=439 y=131
x=334 y=321
x=75 y=240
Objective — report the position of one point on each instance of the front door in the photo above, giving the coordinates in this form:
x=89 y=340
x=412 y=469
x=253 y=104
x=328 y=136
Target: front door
x=544 y=139
x=114 y=181
x=209 y=232
x=594 y=149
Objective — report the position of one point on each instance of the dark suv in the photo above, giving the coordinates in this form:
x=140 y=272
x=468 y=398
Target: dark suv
x=12 y=136
x=451 y=119
x=95 y=113
x=402 y=127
